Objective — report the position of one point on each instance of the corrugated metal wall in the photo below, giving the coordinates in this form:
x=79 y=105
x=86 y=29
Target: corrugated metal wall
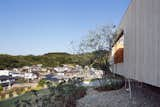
x=118 y=68
x=141 y=24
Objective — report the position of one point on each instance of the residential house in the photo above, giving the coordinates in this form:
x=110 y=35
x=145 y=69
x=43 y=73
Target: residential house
x=30 y=76
x=6 y=79
x=17 y=75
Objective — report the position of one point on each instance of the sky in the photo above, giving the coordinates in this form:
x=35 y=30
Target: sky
x=42 y=26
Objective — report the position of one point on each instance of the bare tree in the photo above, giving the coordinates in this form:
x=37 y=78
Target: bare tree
x=99 y=39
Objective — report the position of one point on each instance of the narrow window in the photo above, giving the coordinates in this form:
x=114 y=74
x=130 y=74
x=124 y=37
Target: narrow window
x=119 y=48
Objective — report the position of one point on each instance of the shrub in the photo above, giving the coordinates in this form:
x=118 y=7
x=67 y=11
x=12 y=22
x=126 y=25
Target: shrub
x=61 y=95
x=41 y=83
x=19 y=90
x=1 y=88
x=111 y=82
x=66 y=93
x=80 y=92
x=10 y=94
x=3 y=95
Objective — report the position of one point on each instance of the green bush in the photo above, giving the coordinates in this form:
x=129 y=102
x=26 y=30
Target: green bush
x=66 y=93
x=41 y=83
x=1 y=88
x=10 y=94
x=112 y=82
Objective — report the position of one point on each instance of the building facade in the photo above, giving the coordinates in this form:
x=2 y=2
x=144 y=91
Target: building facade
x=141 y=42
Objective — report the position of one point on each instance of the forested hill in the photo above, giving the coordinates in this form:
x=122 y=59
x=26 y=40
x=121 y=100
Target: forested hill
x=49 y=60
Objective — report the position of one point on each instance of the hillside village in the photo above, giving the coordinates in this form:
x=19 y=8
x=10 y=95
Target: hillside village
x=36 y=72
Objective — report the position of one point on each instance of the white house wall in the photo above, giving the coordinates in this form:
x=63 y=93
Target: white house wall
x=141 y=24
x=118 y=68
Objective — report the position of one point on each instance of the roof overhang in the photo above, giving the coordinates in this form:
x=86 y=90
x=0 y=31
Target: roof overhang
x=119 y=33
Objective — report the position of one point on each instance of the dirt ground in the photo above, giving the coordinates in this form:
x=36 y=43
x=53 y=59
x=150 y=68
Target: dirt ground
x=145 y=96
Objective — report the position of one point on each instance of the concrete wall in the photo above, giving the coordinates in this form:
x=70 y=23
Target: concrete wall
x=141 y=25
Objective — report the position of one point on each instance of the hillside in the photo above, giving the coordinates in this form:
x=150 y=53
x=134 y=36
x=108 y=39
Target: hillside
x=48 y=60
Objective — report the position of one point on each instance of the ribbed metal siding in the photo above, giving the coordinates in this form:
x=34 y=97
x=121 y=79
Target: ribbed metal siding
x=141 y=25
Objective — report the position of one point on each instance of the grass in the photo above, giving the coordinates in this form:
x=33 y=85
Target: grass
x=11 y=102
x=95 y=79
x=91 y=80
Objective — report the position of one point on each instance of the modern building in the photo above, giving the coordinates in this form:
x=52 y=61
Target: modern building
x=136 y=46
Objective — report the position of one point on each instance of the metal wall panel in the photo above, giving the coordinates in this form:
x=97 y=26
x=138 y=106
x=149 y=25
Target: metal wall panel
x=118 y=68
x=139 y=41
x=141 y=24
x=156 y=21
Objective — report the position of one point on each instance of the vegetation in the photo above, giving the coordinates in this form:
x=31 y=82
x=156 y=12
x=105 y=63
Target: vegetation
x=49 y=60
x=64 y=94
x=13 y=92
x=110 y=82
x=98 y=42
x=42 y=83
x=98 y=39
x=1 y=88
x=24 y=97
